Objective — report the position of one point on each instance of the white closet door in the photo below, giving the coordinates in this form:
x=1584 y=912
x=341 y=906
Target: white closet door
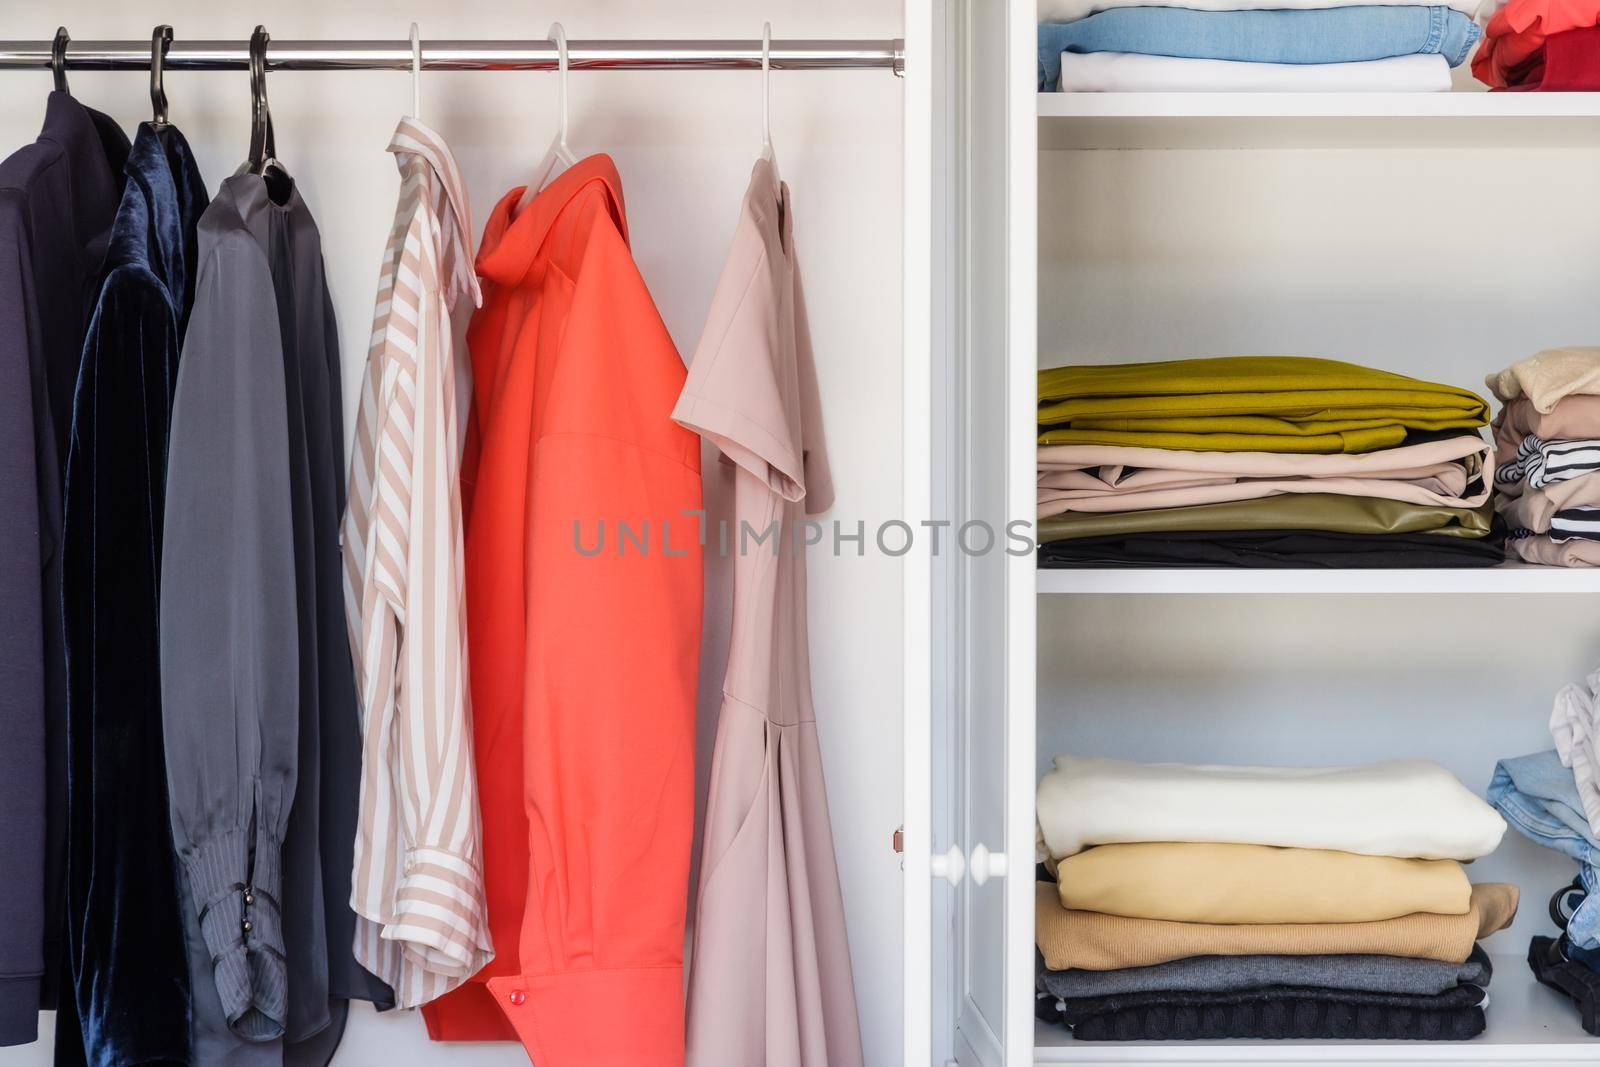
x=984 y=728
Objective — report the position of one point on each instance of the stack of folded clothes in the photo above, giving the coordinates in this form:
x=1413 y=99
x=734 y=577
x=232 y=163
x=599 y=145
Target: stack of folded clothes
x=1257 y=461
x=1542 y=46
x=1205 y=902
x=1253 y=45
x=1553 y=798
x=1547 y=455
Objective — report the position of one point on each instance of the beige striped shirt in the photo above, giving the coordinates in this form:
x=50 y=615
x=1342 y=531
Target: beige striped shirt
x=417 y=889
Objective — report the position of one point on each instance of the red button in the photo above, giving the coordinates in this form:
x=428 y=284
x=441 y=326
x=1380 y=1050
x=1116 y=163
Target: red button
x=518 y=996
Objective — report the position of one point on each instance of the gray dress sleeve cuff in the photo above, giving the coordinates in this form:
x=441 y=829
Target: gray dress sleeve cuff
x=240 y=921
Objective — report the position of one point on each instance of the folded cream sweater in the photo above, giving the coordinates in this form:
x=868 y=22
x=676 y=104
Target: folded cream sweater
x=1408 y=808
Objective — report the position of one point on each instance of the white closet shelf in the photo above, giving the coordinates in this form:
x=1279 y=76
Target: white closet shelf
x=1507 y=578
x=1318 y=120
x=1528 y=1024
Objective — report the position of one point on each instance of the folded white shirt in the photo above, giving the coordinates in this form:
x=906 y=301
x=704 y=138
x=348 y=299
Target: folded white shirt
x=1575 y=725
x=1409 y=808
x=1131 y=72
x=1073 y=10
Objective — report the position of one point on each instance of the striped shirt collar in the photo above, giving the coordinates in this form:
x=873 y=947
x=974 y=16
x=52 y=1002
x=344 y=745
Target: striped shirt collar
x=413 y=137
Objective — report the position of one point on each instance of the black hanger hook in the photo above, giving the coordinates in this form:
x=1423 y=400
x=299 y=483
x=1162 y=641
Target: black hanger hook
x=261 y=146
x=160 y=40
x=58 y=59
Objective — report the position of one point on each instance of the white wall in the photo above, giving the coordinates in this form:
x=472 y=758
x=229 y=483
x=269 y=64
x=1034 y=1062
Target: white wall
x=684 y=143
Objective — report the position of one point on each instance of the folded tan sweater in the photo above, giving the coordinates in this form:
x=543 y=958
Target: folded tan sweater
x=1093 y=942
x=1203 y=882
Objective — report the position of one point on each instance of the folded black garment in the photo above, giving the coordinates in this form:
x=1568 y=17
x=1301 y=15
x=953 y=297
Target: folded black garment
x=1548 y=958
x=1274 y=549
x=1285 y=1013
x=1226 y=974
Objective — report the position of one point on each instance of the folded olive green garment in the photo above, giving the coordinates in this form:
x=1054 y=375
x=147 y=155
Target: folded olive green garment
x=1090 y=941
x=1206 y=882
x=1307 y=511
x=1247 y=403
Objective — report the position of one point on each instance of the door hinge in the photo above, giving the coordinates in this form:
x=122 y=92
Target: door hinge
x=899 y=839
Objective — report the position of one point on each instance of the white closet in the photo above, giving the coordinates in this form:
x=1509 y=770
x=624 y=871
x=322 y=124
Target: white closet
x=1442 y=236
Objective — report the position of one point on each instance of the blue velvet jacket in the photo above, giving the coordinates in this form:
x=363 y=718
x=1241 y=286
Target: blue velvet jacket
x=125 y=940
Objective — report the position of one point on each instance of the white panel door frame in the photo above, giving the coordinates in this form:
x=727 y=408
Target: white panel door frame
x=916 y=480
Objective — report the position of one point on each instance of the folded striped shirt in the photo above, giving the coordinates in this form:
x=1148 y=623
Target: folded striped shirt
x=1542 y=462
x=1581 y=522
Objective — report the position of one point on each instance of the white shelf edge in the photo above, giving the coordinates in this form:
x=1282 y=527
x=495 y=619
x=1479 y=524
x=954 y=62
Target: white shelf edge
x=1510 y=578
x=1478 y=105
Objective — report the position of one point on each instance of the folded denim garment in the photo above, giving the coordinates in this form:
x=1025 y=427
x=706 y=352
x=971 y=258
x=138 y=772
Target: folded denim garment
x=1247 y=404
x=1084 y=939
x=1072 y=10
x=1326 y=35
x=1211 y=882
x=1449 y=472
x=1130 y=72
x=1274 y=549
x=1221 y=974
x=1548 y=377
x=1401 y=807
x=1577 y=981
x=1539 y=797
x=1288 y=1014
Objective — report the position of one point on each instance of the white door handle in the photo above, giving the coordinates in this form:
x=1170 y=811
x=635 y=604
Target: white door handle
x=950 y=865
x=987 y=865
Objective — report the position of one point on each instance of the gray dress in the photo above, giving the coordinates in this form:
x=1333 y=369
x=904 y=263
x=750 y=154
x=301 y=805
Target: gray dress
x=269 y=328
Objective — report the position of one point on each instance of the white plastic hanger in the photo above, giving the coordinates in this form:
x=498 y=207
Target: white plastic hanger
x=416 y=73
x=560 y=156
x=766 y=94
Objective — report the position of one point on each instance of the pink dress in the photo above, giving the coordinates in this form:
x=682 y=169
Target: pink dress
x=769 y=983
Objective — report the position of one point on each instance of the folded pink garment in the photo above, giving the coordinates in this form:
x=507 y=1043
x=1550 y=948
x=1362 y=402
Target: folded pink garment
x=1119 y=478
x=1574 y=553
x=1531 y=509
x=1574 y=416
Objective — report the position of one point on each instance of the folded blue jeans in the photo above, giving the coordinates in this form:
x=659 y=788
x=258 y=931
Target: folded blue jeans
x=1318 y=35
x=1539 y=798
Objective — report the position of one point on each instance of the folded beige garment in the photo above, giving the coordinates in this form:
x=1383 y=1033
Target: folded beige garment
x=1113 y=478
x=1531 y=509
x=1204 y=882
x=1578 y=552
x=1574 y=416
x=1545 y=378
x=1093 y=942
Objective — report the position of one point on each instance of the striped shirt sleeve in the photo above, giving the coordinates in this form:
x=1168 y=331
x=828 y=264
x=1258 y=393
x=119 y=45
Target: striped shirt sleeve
x=417 y=885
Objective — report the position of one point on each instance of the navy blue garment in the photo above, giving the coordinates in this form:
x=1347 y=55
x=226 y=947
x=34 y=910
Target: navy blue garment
x=124 y=926
x=58 y=196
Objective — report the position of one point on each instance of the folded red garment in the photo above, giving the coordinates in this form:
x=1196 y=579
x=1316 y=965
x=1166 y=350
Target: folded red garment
x=1513 y=48
x=1571 y=64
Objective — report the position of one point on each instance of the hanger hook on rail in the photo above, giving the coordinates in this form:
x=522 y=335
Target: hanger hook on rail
x=416 y=73
x=262 y=149
x=766 y=92
x=160 y=41
x=58 y=59
x=559 y=36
